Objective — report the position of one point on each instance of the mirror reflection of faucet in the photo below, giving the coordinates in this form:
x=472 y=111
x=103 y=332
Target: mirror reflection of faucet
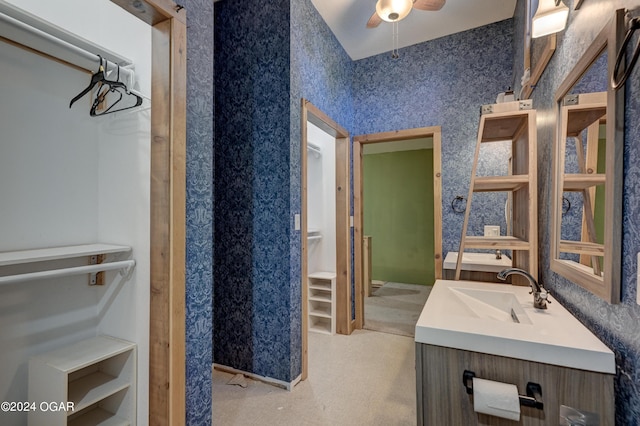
x=540 y=294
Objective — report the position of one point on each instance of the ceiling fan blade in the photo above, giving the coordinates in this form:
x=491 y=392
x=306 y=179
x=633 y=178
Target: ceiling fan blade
x=374 y=21
x=431 y=5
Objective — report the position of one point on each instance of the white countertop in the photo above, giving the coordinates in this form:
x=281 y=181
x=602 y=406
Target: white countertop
x=551 y=336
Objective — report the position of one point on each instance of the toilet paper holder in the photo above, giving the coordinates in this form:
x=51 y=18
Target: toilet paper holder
x=532 y=399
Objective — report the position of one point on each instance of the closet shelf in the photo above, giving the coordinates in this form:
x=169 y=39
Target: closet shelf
x=320 y=313
x=313 y=234
x=319 y=328
x=322 y=275
x=101 y=417
x=48 y=39
x=321 y=298
x=320 y=285
x=23 y=257
x=315 y=149
x=56 y=253
x=94 y=387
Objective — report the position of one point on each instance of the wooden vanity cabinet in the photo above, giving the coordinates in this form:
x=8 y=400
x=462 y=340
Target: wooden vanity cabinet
x=442 y=398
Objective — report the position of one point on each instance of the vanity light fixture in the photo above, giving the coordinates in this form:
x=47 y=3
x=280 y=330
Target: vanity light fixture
x=393 y=10
x=551 y=17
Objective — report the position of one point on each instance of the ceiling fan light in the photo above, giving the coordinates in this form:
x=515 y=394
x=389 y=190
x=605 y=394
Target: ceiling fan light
x=549 y=18
x=393 y=10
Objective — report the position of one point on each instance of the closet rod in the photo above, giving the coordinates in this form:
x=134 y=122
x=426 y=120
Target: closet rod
x=66 y=272
x=313 y=147
x=25 y=29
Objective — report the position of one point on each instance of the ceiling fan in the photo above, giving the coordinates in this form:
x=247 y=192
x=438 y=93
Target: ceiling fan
x=395 y=10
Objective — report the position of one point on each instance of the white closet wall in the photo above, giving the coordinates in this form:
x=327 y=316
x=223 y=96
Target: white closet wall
x=321 y=200
x=68 y=178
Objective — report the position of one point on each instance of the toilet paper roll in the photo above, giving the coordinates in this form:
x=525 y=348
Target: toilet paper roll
x=496 y=399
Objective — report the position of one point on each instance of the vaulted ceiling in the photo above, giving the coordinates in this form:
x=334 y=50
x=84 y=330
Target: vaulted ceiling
x=348 y=18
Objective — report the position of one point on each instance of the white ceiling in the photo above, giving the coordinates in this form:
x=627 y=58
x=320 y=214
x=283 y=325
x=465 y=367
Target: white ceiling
x=348 y=18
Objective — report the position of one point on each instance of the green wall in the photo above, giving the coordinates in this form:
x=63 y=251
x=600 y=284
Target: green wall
x=398 y=215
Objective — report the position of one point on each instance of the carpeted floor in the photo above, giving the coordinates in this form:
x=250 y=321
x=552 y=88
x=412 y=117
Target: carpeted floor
x=366 y=378
x=394 y=308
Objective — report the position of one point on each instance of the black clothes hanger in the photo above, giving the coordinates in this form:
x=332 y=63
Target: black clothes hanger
x=100 y=106
x=106 y=87
x=95 y=79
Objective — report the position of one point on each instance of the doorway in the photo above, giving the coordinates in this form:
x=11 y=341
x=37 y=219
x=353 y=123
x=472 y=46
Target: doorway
x=331 y=145
x=360 y=242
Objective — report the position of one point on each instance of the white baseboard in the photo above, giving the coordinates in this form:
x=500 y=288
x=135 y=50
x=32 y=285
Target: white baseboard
x=274 y=382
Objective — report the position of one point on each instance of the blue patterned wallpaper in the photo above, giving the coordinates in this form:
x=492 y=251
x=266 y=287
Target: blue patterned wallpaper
x=616 y=325
x=199 y=210
x=444 y=82
x=252 y=301
x=257 y=273
x=321 y=72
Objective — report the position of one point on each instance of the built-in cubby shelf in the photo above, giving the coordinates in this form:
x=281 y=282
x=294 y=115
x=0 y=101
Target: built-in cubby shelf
x=96 y=375
x=322 y=302
x=95 y=253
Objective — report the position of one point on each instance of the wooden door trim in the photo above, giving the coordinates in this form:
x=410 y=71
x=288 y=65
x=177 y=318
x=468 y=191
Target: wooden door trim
x=394 y=136
x=167 y=334
x=311 y=113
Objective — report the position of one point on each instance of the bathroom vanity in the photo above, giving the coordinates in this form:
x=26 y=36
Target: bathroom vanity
x=493 y=331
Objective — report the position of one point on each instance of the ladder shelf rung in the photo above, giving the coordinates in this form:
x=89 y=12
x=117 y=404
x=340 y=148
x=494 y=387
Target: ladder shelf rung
x=582 y=247
x=500 y=183
x=580 y=181
x=502 y=242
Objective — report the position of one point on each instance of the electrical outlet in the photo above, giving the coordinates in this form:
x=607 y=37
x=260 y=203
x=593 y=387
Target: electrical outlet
x=638 y=280
x=296 y=222
x=491 y=231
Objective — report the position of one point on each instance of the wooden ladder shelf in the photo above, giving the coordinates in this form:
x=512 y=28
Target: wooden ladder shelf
x=515 y=122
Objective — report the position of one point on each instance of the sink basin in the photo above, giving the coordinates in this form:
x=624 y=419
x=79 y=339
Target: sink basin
x=500 y=319
x=490 y=304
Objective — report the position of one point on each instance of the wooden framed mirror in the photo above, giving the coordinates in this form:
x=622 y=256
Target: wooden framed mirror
x=537 y=52
x=586 y=234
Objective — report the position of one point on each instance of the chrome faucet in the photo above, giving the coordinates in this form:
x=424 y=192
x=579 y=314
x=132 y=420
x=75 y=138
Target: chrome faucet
x=540 y=294
x=498 y=254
